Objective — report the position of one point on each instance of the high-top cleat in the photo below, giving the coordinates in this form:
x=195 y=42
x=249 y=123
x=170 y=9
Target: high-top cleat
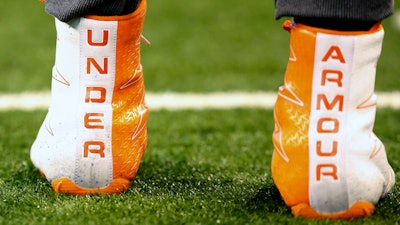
x=327 y=162
x=94 y=135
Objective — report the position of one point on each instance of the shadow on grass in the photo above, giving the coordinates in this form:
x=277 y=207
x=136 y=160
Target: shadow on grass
x=23 y=189
x=179 y=180
x=267 y=200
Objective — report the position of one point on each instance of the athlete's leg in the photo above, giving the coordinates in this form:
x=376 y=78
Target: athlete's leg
x=65 y=10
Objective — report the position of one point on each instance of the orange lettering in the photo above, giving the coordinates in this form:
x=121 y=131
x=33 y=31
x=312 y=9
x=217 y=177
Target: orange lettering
x=94 y=147
x=327 y=170
x=101 y=70
x=338 y=100
x=334 y=53
x=94 y=120
x=332 y=152
x=91 y=95
x=328 y=129
x=338 y=79
x=103 y=43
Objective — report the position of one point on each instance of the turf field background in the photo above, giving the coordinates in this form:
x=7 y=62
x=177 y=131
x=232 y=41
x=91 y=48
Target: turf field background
x=201 y=166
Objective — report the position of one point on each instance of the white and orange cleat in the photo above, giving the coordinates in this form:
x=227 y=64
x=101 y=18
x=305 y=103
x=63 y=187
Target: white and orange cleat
x=327 y=162
x=94 y=135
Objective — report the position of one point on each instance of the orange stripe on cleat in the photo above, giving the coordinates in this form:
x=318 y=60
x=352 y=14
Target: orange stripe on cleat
x=357 y=210
x=65 y=185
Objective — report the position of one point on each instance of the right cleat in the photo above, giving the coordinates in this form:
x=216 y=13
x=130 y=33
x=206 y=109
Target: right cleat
x=327 y=162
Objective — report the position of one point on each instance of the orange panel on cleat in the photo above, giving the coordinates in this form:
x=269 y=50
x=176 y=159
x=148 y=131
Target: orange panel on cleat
x=65 y=185
x=357 y=210
x=94 y=134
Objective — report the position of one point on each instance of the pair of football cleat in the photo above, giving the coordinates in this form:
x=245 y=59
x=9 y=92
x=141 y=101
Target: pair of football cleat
x=327 y=161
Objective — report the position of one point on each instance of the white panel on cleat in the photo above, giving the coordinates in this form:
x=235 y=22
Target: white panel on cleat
x=347 y=161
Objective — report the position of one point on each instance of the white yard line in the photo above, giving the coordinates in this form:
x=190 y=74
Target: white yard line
x=177 y=101
x=396 y=20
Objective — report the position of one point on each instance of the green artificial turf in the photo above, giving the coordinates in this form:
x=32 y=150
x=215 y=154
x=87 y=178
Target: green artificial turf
x=200 y=167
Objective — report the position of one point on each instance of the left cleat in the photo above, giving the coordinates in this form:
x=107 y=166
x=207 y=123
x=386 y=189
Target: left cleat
x=94 y=135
